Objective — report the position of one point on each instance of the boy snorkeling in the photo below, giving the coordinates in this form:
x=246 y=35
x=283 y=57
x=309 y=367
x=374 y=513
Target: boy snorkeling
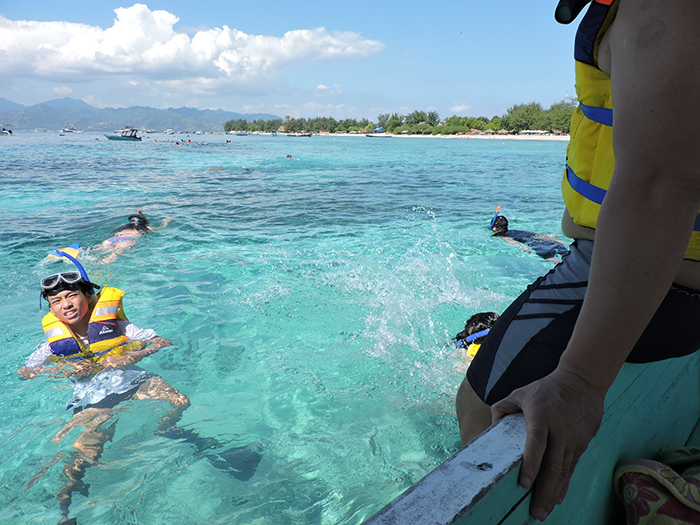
x=475 y=331
x=545 y=246
x=90 y=340
x=126 y=235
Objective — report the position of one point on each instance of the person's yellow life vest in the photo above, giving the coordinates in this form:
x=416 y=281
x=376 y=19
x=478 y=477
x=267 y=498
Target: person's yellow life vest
x=590 y=159
x=103 y=331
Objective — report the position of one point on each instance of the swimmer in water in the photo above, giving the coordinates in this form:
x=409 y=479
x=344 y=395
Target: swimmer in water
x=125 y=237
x=91 y=341
x=475 y=331
x=545 y=246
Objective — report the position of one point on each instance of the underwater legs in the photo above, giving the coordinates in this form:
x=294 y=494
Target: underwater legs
x=89 y=444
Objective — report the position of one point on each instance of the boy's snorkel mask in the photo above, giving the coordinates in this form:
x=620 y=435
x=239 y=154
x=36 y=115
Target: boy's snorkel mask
x=69 y=279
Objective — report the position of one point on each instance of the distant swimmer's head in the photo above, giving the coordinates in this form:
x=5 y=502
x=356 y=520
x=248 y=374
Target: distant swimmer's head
x=500 y=225
x=138 y=219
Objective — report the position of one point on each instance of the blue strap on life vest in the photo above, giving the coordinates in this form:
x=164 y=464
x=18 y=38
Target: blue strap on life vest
x=596 y=194
x=596 y=114
x=585 y=188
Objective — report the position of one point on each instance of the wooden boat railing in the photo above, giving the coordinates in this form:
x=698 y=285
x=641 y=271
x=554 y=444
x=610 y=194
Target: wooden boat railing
x=649 y=408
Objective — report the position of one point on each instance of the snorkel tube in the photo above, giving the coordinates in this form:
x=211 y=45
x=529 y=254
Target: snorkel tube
x=493 y=221
x=81 y=270
x=471 y=338
x=83 y=273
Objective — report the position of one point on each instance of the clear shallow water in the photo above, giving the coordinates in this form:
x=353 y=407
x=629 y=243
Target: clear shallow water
x=310 y=301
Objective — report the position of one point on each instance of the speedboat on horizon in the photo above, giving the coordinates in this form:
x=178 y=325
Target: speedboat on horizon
x=128 y=133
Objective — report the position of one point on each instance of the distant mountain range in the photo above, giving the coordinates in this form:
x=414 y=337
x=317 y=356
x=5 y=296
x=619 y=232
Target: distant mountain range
x=60 y=113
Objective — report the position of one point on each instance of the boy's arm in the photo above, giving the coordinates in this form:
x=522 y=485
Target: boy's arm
x=518 y=244
x=130 y=358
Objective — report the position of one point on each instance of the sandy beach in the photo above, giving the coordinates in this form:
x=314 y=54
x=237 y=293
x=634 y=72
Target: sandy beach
x=461 y=137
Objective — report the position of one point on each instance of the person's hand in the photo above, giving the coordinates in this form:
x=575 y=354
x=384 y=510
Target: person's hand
x=78 y=368
x=562 y=413
x=27 y=372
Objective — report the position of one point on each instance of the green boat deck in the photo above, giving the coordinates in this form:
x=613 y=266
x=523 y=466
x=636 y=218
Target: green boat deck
x=649 y=408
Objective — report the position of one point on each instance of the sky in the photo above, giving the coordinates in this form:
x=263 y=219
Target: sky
x=310 y=58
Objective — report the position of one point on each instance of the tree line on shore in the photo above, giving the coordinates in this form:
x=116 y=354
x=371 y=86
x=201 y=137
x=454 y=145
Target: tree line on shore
x=520 y=117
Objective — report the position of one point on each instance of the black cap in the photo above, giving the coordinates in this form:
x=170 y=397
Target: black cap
x=568 y=10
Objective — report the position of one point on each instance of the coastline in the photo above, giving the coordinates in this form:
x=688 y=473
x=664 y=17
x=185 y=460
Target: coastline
x=461 y=137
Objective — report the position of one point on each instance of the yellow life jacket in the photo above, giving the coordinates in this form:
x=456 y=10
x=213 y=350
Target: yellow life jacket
x=590 y=159
x=103 y=331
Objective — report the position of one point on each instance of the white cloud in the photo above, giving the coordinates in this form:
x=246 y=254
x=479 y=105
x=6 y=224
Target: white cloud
x=459 y=108
x=62 y=90
x=143 y=43
x=324 y=91
x=253 y=108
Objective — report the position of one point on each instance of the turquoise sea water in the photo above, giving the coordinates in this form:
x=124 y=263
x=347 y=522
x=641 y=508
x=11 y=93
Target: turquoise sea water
x=310 y=301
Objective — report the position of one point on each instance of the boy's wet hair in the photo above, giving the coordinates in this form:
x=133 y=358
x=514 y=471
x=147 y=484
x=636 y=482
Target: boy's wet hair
x=83 y=286
x=477 y=323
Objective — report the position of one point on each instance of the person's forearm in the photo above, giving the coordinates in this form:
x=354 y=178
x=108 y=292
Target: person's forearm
x=131 y=358
x=640 y=241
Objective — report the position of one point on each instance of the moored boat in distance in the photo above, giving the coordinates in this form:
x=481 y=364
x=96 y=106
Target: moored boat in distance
x=300 y=134
x=378 y=132
x=4 y=132
x=71 y=129
x=127 y=133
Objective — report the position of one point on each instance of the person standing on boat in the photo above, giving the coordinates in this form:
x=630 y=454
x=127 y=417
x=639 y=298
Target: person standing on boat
x=629 y=289
x=125 y=236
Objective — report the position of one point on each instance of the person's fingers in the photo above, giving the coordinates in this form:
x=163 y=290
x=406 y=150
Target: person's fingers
x=552 y=476
x=533 y=453
x=503 y=408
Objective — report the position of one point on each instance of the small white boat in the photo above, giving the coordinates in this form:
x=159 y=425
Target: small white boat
x=124 y=134
x=378 y=135
x=71 y=129
x=4 y=131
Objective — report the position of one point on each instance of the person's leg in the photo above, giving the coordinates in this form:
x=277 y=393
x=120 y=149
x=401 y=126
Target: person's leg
x=156 y=388
x=525 y=343
x=89 y=445
x=473 y=414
